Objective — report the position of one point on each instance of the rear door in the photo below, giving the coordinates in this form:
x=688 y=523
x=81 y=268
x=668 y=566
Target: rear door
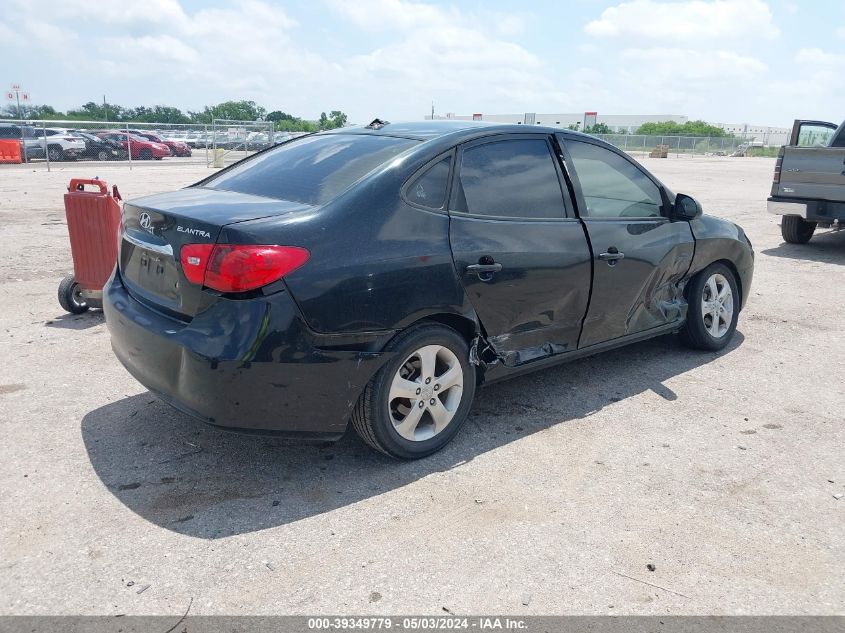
x=639 y=253
x=518 y=247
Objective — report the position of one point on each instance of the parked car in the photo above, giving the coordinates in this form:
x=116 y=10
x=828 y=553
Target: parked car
x=808 y=188
x=31 y=146
x=62 y=144
x=141 y=148
x=380 y=274
x=177 y=148
x=98 y=148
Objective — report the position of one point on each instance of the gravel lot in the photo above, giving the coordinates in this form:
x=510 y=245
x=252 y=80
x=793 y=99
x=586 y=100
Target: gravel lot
x=723 y=471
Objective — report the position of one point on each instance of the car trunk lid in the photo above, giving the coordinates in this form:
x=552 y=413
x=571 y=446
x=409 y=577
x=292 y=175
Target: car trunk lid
x=156 y=227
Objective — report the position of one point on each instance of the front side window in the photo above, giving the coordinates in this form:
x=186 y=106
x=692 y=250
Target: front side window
x=313 y=170
x=429 y=188
x=612 y=186
x=514 y=178
x=814 y=135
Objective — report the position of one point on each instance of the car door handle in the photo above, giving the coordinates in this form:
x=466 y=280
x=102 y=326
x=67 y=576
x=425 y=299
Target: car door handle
x=483 y=269
x=611 y=255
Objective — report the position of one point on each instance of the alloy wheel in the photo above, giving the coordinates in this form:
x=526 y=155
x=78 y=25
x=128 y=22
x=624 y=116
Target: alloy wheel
x=717 y=305
x=425 y=393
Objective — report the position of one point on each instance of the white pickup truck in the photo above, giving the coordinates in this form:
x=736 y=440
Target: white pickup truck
x=809 y=181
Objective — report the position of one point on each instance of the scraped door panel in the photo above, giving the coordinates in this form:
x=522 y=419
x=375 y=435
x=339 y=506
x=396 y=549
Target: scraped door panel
x=641 y=291
x=525 y=265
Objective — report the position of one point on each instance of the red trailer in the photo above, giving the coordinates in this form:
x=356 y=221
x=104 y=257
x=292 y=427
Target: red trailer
x=93 y=222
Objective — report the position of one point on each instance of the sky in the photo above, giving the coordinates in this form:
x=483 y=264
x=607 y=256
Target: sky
x=729 y=61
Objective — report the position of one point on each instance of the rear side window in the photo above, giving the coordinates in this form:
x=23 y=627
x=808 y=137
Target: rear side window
x=313 y=170
x=511 y=179
x=612 y=186
x=429 y=189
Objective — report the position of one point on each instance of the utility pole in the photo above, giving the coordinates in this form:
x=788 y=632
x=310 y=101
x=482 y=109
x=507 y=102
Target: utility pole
x=105 y=110
x=432 y=110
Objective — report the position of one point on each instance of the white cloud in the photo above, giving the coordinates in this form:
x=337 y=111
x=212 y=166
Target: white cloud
x=390 y=15
x=687 y=22
x=675 y=64
x=819 y=58
x=444 y=53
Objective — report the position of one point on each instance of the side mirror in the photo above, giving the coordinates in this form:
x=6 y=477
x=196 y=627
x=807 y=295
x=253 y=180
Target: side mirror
x=686 y=207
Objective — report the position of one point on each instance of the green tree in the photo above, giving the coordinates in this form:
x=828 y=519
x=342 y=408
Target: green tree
x=598 y=128
x=97 y=112
x=337 y=118
x=278 y=115
x=10 y=111
x=231 y=110
x=690 y=128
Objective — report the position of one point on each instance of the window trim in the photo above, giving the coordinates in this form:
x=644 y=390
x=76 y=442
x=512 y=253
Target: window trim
x=665 y=206
x=568 y=203
x=403 y=191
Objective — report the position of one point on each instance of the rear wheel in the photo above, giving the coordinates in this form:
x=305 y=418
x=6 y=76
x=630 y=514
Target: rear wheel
x=70 y=296
x=796 y=230
x=145 y=154
x=420 y=399
x=713 y=309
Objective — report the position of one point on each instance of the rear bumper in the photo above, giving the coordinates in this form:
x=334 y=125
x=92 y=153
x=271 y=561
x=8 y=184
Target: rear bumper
x=813 y=210
x=246 y=365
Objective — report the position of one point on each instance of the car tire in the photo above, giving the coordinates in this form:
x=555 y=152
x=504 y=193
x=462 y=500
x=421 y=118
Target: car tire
x=70 y=296
x=406 y=428
x=55 y=153
x=145 y=154
x=711 y=322
x=796 y=230
x=102 y=155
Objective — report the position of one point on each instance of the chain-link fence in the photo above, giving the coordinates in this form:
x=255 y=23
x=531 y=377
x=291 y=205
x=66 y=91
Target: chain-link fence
x=223 y=142
x=214 y=144
x=684 y=146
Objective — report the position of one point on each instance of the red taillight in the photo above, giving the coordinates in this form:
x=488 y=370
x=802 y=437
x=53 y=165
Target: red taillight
x=778 y=167
x=239 y=267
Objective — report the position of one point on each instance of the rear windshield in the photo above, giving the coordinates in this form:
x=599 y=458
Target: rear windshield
x=312 y=170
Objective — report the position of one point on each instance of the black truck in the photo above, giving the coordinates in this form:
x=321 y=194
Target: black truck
x=809 y=181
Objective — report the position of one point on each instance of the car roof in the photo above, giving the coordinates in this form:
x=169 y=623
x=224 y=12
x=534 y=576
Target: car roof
x=429 y=130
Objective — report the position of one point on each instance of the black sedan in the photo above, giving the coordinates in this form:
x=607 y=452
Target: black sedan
x=97 y=148
x=380 y=274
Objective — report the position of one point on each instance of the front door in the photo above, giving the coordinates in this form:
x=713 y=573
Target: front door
x=518 y=248
x=639 y=253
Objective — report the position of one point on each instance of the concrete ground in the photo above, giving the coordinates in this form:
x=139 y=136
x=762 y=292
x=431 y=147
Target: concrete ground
x=722 y=471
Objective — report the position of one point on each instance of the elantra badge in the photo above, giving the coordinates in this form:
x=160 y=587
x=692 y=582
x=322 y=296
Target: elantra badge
x=190 y=231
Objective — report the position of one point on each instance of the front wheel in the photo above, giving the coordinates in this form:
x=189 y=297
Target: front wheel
x=713 y=310
x=55 y=153
x=70 y=296
x=796 y=230
x=146 y=154
x=420 y=399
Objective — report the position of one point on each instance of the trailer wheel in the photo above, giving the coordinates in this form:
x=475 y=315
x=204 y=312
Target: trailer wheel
x=796 y=230
x=70 y=296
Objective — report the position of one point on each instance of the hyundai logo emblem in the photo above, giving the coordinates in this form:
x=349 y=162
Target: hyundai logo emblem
x=145 y=221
